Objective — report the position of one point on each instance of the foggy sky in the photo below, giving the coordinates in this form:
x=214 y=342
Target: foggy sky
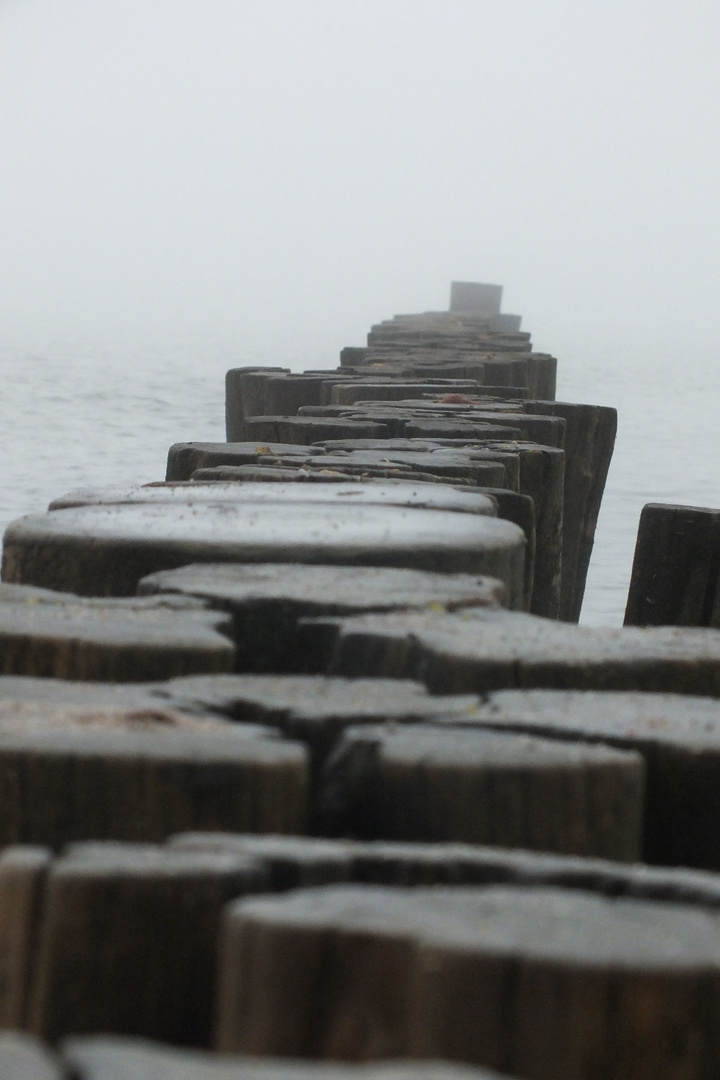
x=301 y=168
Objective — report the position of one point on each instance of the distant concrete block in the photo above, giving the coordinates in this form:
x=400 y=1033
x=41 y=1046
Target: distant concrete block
x=473 y=298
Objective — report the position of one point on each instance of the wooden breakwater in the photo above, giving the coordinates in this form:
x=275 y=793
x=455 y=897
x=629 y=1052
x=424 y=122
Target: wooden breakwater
x=304 y=755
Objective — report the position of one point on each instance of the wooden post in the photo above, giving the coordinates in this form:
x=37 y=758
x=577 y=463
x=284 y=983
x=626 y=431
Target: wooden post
x=268 y=602
x=245 y=396
x=476 y=651
x=676 y=568
x=106 y=550
x=427 y=782
x=68 y=773
x=128 y=938
x=63 y=636
x=537 y=982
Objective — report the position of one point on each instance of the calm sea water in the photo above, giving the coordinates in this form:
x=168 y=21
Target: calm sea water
x=75 y=415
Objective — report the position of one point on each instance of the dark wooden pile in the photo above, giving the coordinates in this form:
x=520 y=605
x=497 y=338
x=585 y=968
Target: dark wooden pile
x=676 y=571
x=304 y=755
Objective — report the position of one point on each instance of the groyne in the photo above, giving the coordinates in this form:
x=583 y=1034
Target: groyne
x=304 y=755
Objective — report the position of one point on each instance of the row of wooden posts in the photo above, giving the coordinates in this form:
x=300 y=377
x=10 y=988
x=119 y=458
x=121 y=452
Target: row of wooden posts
x=304 y=755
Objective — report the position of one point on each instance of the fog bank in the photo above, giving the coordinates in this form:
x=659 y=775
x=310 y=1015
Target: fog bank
x=288 y=173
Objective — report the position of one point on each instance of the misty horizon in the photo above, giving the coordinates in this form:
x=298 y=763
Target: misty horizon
x=300 y=171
